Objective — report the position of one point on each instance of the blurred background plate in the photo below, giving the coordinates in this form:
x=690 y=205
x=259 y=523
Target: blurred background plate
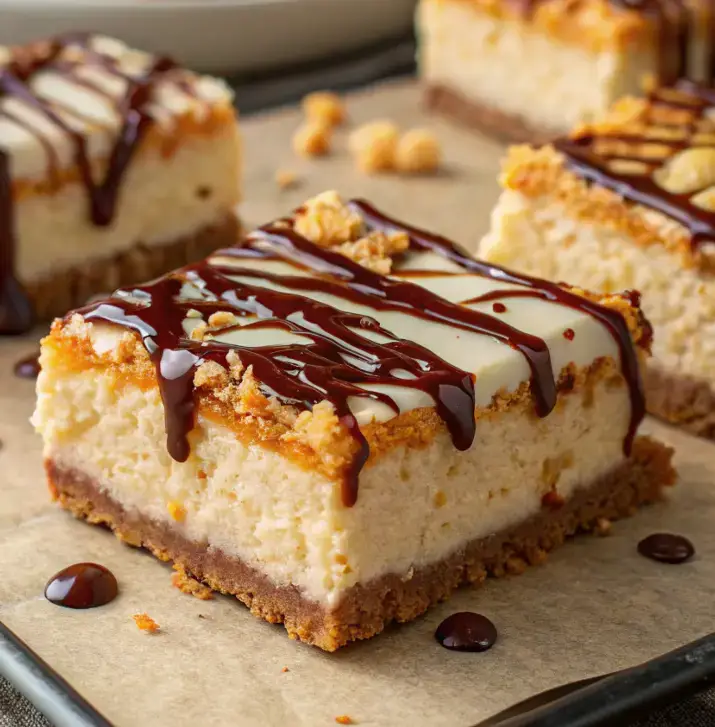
x=220 y=36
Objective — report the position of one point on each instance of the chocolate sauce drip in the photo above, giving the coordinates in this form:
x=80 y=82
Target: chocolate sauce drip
x=82 y=585
x=583 y=160
x=15 y=309
x=29 y=367
x=610 y=319
x=666 y=548
x=466 y=631
x=342 y=353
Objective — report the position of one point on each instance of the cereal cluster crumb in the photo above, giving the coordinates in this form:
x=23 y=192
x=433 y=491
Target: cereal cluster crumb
x=146 y=623
x=312 y=139
x=327 y=221
x=379 y=146
x=374 y=146
x=325 y=108
x=190 y=586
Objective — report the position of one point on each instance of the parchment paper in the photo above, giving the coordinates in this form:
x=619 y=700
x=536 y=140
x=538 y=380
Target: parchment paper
x=596 y=606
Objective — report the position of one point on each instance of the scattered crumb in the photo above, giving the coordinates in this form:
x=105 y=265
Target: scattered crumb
x=285 y=669
x=145 y=622
x=324 y=107
x=344 y=719
x=202 y=616
x=374 y=145
x=603 y=526
x=190 y=586
x=287 y=179
x=418 y=152
x=177 y=511
x=312 y=139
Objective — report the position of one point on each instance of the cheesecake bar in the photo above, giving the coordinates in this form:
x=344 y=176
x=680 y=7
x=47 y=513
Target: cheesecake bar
x=525 y=69
x=115 y=166
x=629 y=202
x=344 y=418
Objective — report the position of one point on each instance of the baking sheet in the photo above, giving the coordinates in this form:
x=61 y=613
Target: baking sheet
x=596 y=606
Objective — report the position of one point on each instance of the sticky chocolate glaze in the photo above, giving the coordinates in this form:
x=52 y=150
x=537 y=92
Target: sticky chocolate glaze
x=15 y=308
x=338 y=358
x=642 y=188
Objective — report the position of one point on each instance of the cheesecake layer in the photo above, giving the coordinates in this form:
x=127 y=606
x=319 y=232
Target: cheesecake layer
x=367 y=608
x=286 y=401
x=106 y=151
x=287 y=520
x=499 y=66
x=56 y=292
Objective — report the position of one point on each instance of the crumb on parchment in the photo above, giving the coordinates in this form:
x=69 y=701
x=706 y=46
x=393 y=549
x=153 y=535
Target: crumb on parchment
x=312 y=139
x=287 y=179
x=324 y=107
x=344 y=719
x=145 y=622
x=285 y=669
x=190 y=586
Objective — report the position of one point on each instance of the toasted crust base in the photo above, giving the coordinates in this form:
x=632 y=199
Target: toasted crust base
x=503 y=126
x=367 y=608
x=67 y=288
x=685 y=401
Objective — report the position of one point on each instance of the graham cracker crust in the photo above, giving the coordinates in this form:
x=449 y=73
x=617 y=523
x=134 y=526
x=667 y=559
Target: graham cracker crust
x=367 y=609
x=687 y=402
x=68 y=288
x=503 y=126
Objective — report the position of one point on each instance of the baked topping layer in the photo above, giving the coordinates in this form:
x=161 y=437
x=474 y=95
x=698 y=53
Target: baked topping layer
x=671 y=28
x=289 y=322
x=658 y=152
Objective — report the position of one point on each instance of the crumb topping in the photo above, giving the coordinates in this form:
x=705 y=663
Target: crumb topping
x=146 y=623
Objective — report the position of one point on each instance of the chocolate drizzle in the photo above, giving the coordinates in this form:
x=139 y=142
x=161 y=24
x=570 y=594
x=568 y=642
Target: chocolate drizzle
x=590 y=159
x=131 y=109
x=345 y=351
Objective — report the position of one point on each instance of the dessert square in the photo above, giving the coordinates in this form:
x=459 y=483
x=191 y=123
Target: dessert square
x=629 y=202
x=115 y=166
x=526 y=69
x=344 y=418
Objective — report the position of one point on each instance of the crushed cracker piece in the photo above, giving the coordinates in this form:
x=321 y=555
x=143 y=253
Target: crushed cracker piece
x=285 y=669
x=344 y=719
x=324 y=107
x=374 y=145
x=189 y=585
x=312 y=139
x=146 y=623
x=418 y=152
x=603 y=527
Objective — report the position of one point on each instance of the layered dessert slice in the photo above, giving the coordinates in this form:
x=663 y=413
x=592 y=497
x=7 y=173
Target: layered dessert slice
x=630 y=202
x=115 y=166
x=344 y=418
x=522 y=69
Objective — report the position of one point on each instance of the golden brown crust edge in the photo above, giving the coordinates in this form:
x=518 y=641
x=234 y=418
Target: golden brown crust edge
x=368 y=608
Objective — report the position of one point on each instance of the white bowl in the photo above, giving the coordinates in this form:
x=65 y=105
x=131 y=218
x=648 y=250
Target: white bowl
x=219 y=36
